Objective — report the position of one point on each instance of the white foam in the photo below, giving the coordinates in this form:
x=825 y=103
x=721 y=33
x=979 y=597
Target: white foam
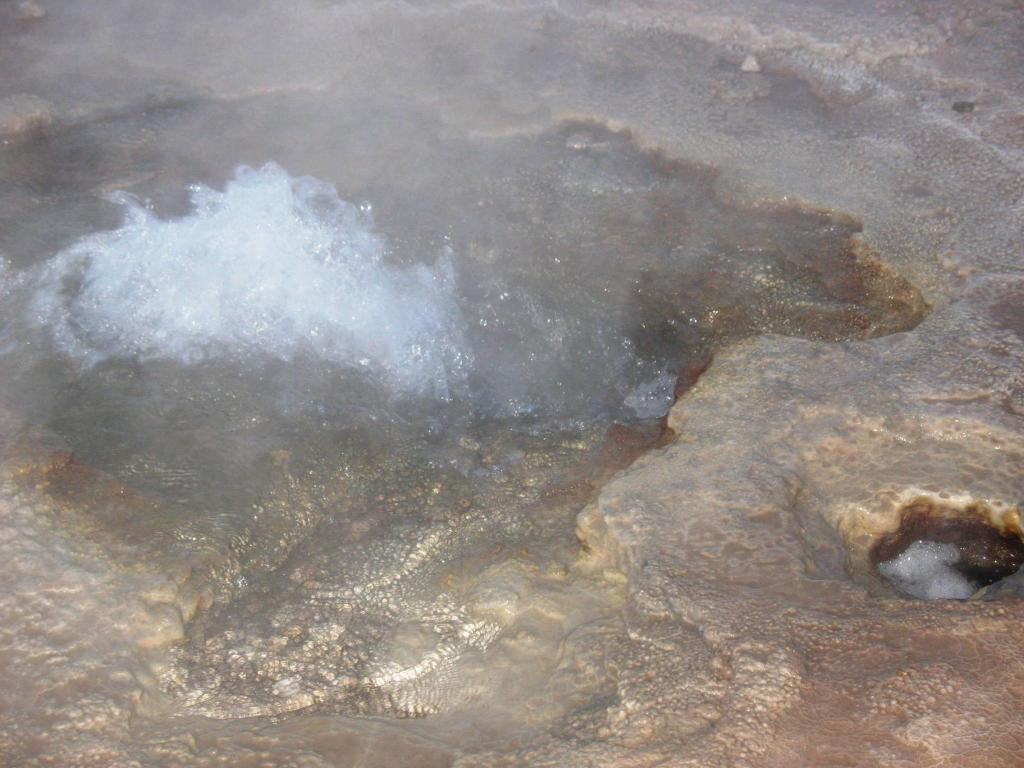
x=924 y=569
x=652 y=399
x=273 y=264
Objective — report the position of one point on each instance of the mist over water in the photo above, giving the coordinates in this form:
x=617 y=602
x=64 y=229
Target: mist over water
x=360 y=447
x=341 y=354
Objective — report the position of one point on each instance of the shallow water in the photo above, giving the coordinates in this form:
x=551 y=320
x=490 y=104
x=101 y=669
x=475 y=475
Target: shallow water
x=324 y=375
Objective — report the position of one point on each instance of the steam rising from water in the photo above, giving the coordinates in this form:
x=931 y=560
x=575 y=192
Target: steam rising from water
x=273 y=265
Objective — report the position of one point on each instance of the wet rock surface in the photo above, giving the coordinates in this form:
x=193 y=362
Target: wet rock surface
x=718 y=603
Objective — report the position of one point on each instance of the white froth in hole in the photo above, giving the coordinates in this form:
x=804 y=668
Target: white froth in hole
x=271 y=265
x=925 y=570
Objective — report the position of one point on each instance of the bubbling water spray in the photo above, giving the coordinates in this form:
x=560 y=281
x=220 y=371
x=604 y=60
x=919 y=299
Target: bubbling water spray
x=272 y=265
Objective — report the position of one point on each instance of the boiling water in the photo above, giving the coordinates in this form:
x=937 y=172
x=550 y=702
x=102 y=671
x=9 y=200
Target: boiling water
x=272 y=266
x=348 y=400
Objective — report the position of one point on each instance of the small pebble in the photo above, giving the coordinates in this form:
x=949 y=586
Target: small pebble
x=750 y=64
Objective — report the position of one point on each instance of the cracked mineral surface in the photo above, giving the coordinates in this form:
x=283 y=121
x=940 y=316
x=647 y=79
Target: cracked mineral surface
x=525 y=383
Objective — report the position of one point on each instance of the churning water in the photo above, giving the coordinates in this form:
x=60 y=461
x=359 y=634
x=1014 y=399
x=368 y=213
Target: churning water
x=269 y=267
x=356 y=445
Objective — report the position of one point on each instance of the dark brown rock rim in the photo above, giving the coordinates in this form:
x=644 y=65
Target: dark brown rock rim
x=990 y=549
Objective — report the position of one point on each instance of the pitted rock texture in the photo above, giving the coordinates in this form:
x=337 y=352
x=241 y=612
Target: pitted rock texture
x=740 y=556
